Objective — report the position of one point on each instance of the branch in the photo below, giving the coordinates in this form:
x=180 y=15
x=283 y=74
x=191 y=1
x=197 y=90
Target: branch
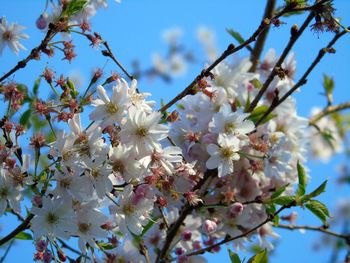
x=231 y=50
x=23 y=226
x=303 y=79
x=53 y=30
x=109 y=53
x=329 y=110
x=244 y=234
x=318 y=229
x=259 y=44
x=186 y=210
x=293 y=38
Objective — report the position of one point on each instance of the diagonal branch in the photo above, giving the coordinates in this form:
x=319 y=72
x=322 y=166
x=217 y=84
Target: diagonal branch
x=303 y=79
x=231 y=49
x=259 y=44
x=329 y=110
x=23 y=226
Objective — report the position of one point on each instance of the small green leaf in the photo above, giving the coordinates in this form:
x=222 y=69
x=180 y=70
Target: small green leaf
x=147 y=226
x=328 y=84
x=276 y=220
x=256 y=83
x=105 y=246
x=25 y=118
x=235 y=35
x=36 y=86
x=234 y=256
x=261 y=257
x=279 y=191
x=302 y=180
x=282 y=200
x=24 y=236
x=258 y=112
x=319 y=190
x=74 y=7
x=180 y=106
x=318 y=209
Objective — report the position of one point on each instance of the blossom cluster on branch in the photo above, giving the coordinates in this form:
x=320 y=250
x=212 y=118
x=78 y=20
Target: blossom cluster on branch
x=147 y=185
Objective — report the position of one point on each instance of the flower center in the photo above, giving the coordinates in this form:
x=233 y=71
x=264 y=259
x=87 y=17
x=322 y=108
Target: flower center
x=142 y=132
x=4 y=192
x=112 y=108
x=230 y=127
x=226 y=152
x=51 y=218
x=128 y=209
x=84 y=227
x=118 y=166
x=7 y=35
x=95 y=173
x=65 y=183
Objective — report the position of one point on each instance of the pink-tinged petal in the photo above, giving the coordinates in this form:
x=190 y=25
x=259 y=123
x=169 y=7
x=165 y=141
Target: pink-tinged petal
x=213 y=162
x=212 y=149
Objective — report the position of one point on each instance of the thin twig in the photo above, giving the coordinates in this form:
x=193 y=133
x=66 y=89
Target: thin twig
x=329 y=110
x=23 y=226
x=318 y=229
x=293 y=38
x=244 y=234
x=231 y=50
x=185 y=211
x=259 y=44
x=303 y=79
x=53 y=30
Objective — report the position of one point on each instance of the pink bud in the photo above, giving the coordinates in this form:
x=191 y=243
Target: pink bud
x=235 y=210
x=186 y=235
x=47 y=256
x=41 y=22
x=209 y=227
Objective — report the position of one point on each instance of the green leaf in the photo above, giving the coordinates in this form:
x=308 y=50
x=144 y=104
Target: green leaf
x=282 y=200
x=105 y=246
x=302 y=180
x=180 y=106
x=258 y=112
x=318 y=209
x=74 y=7
x=148 y=226
x=328 y=84
x=279 y=191
x=24 y=236
x=276 y=220
x=235 y=35
x=25 y=118
x=234 y=256
x=319 y=190
x=261 y=257
x=36 y=86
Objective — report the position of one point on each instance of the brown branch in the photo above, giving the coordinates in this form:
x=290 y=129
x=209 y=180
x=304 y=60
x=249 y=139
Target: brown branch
x=318 y=229
x=185 y=211
x=23 y=226
x=244 y=234
x=231 y=50
x=329 y=110
x=293 y=38
x=109 y=53
x=55 y=28
x=303 y=79
x=259 y=44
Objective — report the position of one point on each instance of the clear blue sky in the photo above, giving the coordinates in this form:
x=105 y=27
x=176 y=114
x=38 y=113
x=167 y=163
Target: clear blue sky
x=133 y=29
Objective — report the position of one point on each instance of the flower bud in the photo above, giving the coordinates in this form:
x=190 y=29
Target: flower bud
x=209 y=227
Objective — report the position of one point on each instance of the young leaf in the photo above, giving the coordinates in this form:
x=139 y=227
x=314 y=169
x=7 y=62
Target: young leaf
x=235 y=35
x=25 y=118
x=315 y=193
x=233 y=256
x=283 y=200
x=302 y=180
x=279 y=191
x=258 y=112
x=74 y=7
x=24 y=236
x=318 y=209
x=36 y=86
x=261 y=257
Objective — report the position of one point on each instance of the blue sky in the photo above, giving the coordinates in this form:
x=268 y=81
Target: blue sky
x=133 y=29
